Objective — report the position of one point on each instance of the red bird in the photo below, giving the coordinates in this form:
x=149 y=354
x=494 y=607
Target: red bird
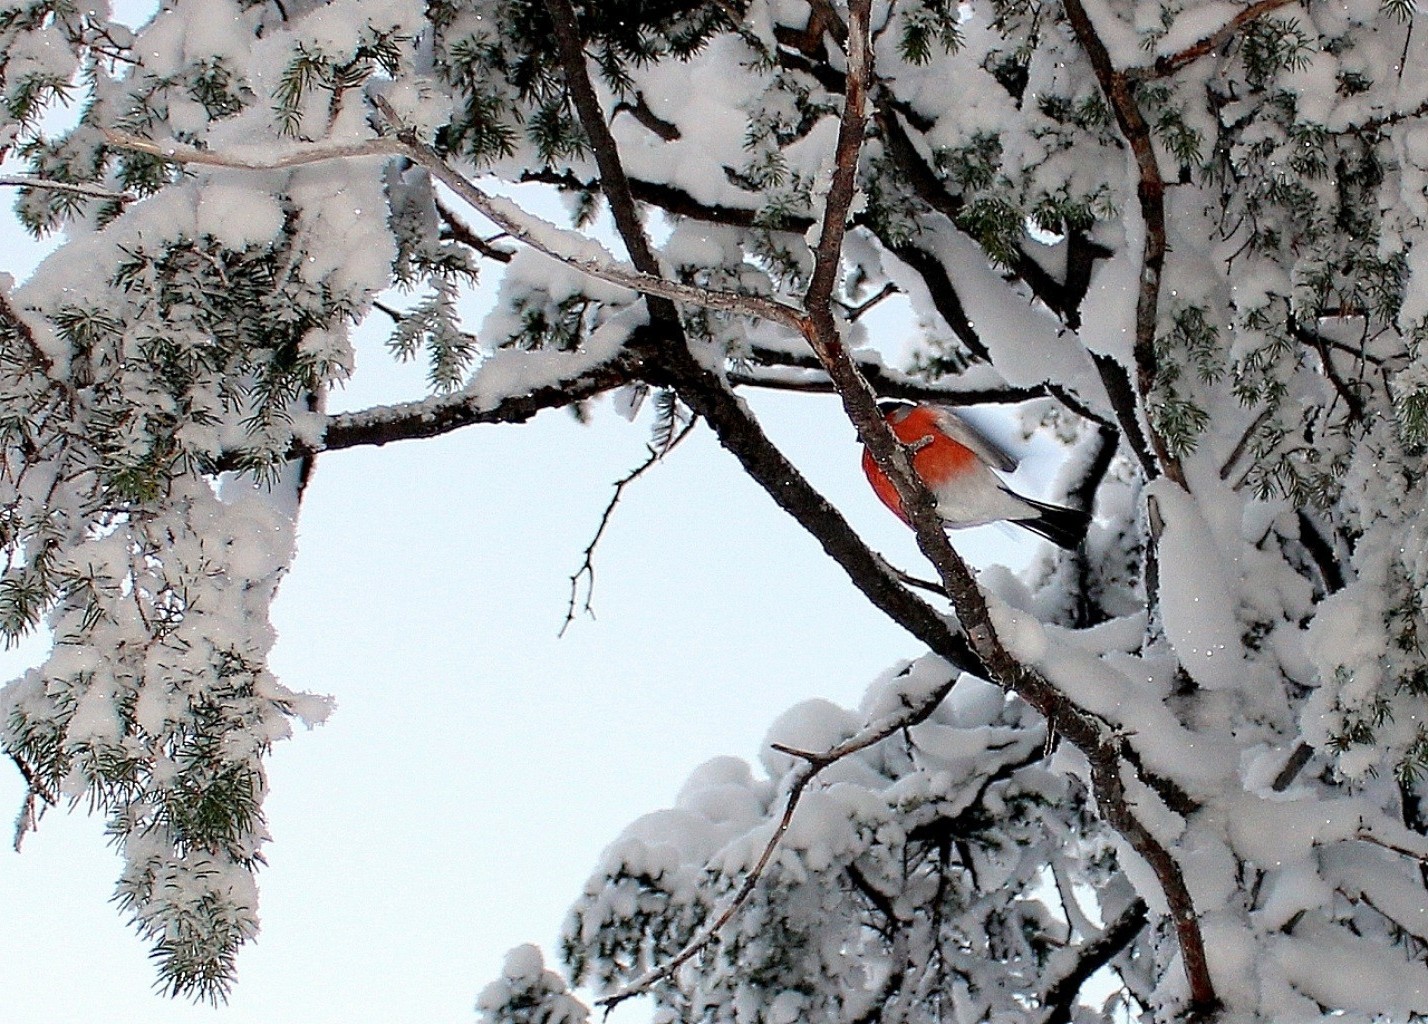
x=955 y=462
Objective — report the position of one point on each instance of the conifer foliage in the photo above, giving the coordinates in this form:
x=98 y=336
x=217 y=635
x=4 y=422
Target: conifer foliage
x=1176 y=773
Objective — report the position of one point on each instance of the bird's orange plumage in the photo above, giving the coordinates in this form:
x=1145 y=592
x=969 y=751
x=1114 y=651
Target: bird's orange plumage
x=938 y=460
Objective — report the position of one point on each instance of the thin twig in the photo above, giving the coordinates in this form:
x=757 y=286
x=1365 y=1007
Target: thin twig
x=813 y=764
x=71 y=187
x=587 y=564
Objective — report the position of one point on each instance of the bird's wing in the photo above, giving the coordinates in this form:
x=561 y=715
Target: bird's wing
x=982 y=446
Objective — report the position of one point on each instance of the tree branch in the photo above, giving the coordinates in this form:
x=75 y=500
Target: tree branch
x=1060 y=998
x=1165 y=66
x=1150 y=191
x=540 y=235
x=461 y=232
x=813 y=765
x=587 y=564
x=76 y=188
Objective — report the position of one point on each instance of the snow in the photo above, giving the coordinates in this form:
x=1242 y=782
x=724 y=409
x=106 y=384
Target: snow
x=1195 y=594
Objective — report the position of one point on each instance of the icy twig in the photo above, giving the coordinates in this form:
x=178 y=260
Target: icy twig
x=814 y=762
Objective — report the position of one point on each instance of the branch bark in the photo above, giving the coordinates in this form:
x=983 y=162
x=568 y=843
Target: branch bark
x=1166 y=66
x=1150 y=193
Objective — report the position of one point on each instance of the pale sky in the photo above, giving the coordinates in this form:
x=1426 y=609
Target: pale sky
x=477 y=764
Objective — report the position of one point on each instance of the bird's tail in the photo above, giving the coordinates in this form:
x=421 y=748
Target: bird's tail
x=1064 y=527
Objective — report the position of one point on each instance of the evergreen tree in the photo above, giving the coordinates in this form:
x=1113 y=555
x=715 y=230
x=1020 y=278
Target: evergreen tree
x=1186 y=240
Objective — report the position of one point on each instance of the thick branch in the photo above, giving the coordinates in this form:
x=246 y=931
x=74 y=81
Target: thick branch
x=409 y=421
x=613 y=181
x=1150 y=191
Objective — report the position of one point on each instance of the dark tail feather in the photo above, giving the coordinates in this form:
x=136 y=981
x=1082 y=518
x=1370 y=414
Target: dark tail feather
x=1064 y=527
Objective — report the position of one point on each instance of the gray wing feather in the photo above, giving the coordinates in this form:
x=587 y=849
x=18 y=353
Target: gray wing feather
x=985 y=448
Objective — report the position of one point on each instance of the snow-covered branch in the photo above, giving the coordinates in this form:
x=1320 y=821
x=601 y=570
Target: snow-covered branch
x=568 y=247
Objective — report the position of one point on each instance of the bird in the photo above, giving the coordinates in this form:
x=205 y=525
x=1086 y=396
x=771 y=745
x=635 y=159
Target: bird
x=955 y=462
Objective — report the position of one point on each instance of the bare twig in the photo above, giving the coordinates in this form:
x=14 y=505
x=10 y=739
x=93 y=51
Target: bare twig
x=814 y=764
x=587 y=564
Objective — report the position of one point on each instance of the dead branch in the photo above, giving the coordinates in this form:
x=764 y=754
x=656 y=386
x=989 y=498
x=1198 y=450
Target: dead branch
x=587 y=564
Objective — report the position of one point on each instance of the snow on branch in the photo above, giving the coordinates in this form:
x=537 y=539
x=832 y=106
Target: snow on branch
x=568 y=247
x=814 y=763
x=1168 y=64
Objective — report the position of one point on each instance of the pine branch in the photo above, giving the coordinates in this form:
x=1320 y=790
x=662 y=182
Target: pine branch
x=1166 y=66
x=540 y=235
x=814 y=763
x=70 y=187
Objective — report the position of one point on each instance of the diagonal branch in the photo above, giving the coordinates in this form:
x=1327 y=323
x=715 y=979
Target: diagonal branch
x=1168 y=64
x=1104 y=751
x=1060 y=998
x=74 y=188
x=540 y=235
